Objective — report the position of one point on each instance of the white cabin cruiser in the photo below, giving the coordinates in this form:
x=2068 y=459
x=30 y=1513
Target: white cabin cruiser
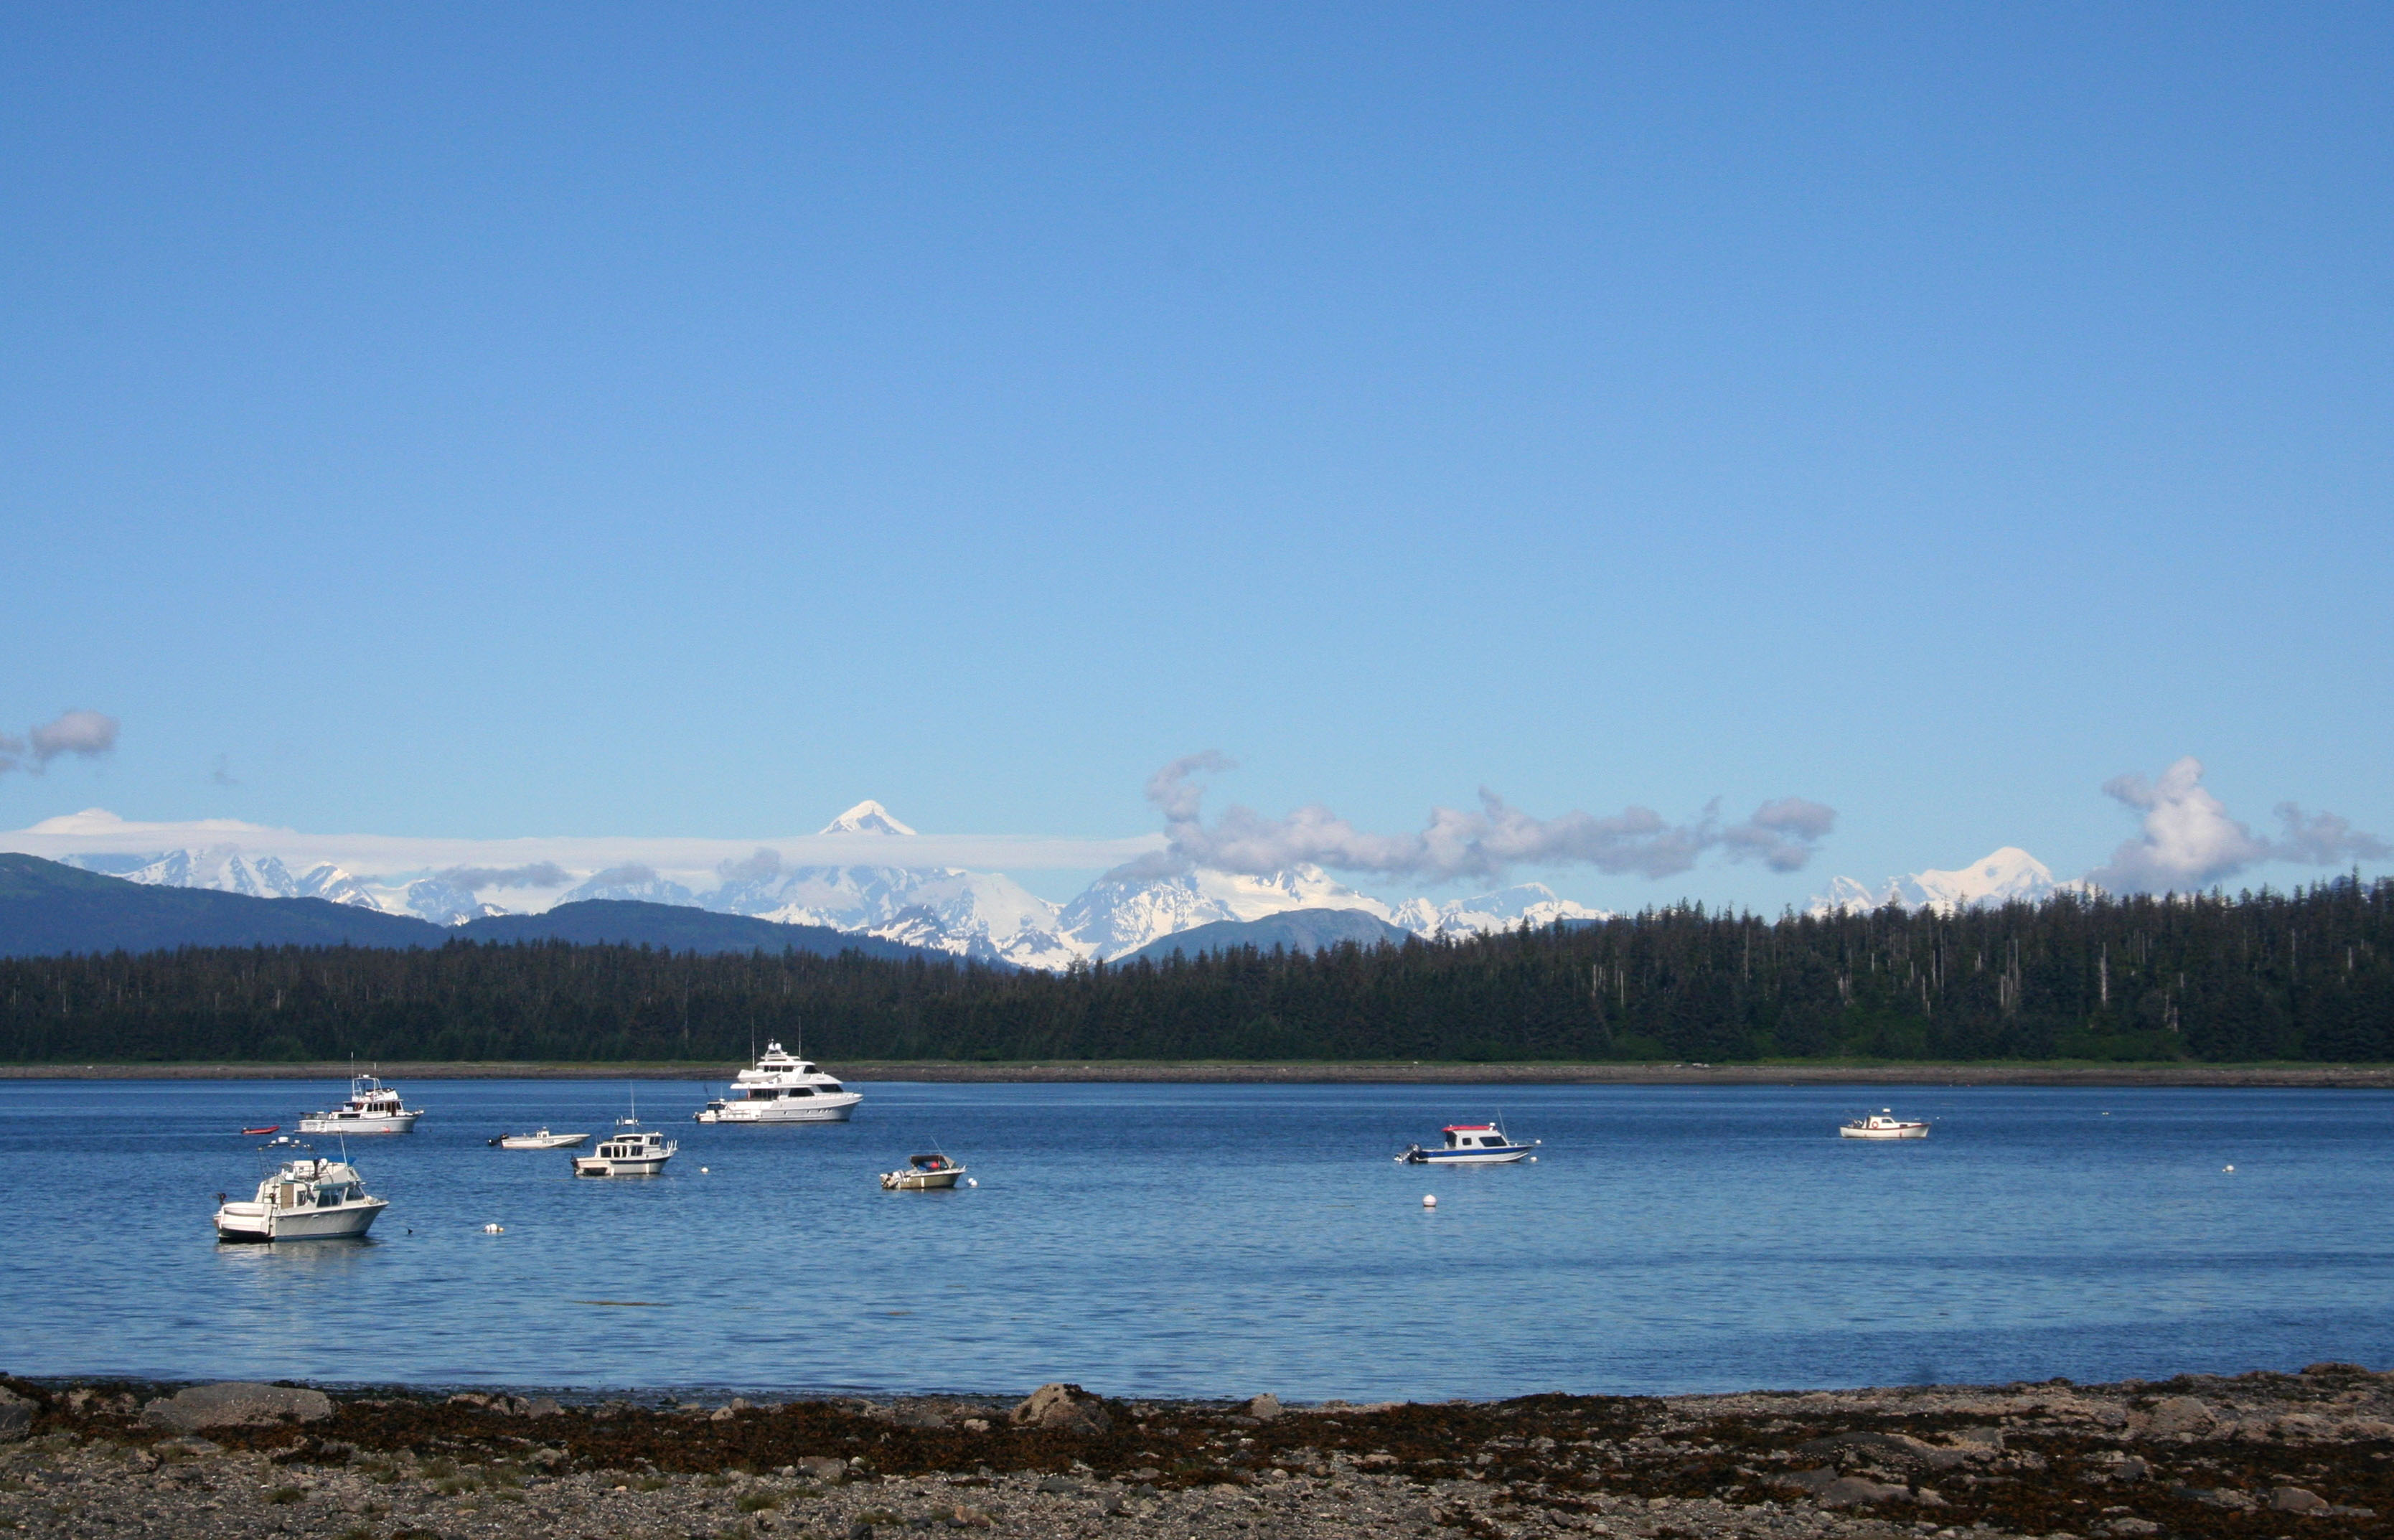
x=542 y=1140
x=1882 y=1124
x=373 y=1108
x=1469 y=1144
x=309 y=1199
x=628 y=1151
x=782 y=1087
x=922 y=1173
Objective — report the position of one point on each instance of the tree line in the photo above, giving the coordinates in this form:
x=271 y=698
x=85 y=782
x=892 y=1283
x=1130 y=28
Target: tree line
x=2306 y=975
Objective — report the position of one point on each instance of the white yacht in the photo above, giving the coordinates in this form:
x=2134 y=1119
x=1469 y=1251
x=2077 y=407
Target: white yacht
x=1882 y=1124
x=309 y=1199
x=1469 y=1144
x=373 y=1108
x=628 y=1151
x=782 y=1087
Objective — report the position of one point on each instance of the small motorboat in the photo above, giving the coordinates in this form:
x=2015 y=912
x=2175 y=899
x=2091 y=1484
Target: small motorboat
x=922 y=1172
x=1882 y=1124
x=628 y=1151
x=309 y=1199
x=541 y=1140
x=268 y=1128
x=1470 y=1144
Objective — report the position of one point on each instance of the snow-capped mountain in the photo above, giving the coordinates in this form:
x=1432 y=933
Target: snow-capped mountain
x=1531 y=903
x=1110 y=918
x=980 y=915
x=1996 y=878
x=638 y=884
x=226 y=869
x=972 y=913
x=867 y=817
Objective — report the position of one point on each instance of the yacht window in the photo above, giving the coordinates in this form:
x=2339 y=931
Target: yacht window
x=830 y=1087
x=802 y=1090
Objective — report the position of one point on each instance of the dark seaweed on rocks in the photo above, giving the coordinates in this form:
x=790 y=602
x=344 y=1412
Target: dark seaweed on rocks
x=2263 y=1456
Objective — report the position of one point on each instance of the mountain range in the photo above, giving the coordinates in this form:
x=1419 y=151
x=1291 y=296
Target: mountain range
x=2007 y=875
x=47 y=908
x=984 y=915
x=1296 y=930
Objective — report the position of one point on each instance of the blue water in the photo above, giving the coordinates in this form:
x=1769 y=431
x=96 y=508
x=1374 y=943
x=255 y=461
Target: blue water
x=1209 y=1240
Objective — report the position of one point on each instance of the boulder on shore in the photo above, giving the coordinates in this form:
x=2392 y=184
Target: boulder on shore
x=15 y=1416
x=2181 y=1415
x=1063 y=1408
x=1264 y=1408
x=233 y=1403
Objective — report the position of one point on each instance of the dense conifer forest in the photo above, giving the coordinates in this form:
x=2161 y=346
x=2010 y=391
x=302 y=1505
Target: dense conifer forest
x=2303 y=976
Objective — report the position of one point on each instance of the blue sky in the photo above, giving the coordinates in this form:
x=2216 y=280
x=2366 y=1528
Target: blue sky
x=590 y=420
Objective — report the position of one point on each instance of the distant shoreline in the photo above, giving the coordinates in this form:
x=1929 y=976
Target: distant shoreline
x=2309 y=1076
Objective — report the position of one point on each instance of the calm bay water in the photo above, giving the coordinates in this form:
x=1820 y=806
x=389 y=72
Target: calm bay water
x=1207 y=1240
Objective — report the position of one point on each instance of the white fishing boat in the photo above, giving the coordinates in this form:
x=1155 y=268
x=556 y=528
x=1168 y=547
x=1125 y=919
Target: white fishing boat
x=373 y=1108
x=782 y=1087
x=922 y=1173
x=1469 y=1144
x=628 y=1151
x=1883 y=1124
x=541 y=1140
x=309 y=1199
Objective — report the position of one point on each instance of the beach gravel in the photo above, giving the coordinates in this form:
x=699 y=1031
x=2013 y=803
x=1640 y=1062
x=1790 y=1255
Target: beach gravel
x=2264 y=1456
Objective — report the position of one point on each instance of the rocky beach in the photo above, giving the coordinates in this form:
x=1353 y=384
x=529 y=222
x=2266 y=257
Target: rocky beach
x=2260 y=1455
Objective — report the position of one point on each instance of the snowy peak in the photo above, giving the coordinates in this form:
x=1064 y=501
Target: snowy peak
x=227 y=869
x=2001 y=877
x=865 y=818
x=1111 y=918
x=1531 y=903
x=638 y=884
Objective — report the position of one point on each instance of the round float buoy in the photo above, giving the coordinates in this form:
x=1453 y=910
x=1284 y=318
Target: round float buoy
x=1429 y=1200
x=2228 y=1169
x=494 y=1229
x=701 y=1170
x=972 y=1181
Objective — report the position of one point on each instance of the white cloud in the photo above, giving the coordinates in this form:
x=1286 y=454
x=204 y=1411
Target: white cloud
x=1458 y=843
x=538 y=873
x=693 y=863
x=85 y=734
x=2189 y=842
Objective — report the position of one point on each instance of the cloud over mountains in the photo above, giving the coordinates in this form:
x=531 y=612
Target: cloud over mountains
x=2188 y=841
x=1457 y=844
x=85 y=734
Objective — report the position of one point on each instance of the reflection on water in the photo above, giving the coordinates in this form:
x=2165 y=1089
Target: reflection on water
x=1224 y=1240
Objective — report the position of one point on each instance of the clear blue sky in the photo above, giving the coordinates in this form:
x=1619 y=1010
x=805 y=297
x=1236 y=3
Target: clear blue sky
x=586 y=419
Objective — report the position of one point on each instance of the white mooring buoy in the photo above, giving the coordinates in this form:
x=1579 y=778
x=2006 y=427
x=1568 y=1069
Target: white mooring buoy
x=972 y=1181
x=1429 y=1200
x=494 y=1229
x=2229 y=1170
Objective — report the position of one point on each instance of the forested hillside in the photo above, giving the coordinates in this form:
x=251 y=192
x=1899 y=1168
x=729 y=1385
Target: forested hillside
x=2301 y=976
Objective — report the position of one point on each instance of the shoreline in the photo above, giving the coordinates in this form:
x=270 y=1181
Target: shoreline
x=2197 y=1457
x=2223 y=1077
